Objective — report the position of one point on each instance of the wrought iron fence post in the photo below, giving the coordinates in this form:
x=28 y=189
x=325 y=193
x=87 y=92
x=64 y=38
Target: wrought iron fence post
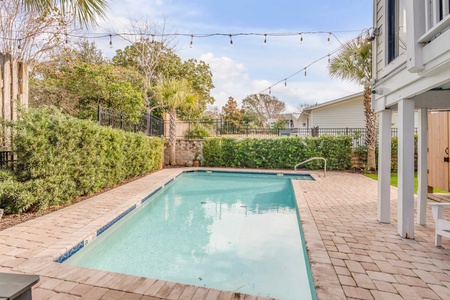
x=189 y=129
x=149 y=129
x=121 y=120
x=346 y=131
x=217 y=126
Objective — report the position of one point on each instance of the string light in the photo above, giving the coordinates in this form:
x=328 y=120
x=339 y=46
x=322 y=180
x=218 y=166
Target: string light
x=67 y=39
x=110 y=41
x=231 y=40
x=19 y=46
x=200 y=35
x=192 y=41
x=270 y=91
x=358 y=38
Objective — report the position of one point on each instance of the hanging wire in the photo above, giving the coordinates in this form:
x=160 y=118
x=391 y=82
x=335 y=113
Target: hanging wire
x=199 y=35
x=358 y=39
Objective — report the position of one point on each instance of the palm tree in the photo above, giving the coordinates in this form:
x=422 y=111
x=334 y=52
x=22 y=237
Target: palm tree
x=354 y=63
x=85 y=11
x=174 y=94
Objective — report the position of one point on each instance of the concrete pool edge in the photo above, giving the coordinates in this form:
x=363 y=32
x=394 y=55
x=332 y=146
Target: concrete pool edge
x=326 y=281
x=42 y=263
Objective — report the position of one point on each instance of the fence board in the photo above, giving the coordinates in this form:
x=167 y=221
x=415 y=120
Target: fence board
x=13 y=92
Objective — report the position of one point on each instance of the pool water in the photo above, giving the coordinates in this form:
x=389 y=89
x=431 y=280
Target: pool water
x=230 y=232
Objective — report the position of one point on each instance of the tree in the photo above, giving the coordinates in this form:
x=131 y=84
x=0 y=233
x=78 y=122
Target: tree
x=200 y=76
x=78 y=80
x=264 y=106
x=153 y=59
x=84 y=12
x=175 y=94
x=231 y=114
x=25 y=34
x=354 y=63
x=149 y=58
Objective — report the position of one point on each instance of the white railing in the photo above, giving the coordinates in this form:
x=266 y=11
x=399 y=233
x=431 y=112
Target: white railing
x=437 y=19
x=314 y=158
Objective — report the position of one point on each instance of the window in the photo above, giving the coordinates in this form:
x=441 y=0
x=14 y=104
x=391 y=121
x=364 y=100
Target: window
x=396 y=28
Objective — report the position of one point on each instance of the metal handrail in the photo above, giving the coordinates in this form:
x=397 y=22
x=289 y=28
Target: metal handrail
x=314 y=158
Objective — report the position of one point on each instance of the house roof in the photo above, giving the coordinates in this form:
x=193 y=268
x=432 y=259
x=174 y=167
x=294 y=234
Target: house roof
x=336 y=101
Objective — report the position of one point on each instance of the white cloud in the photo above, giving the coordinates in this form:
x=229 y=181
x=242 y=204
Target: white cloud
x=229 y=77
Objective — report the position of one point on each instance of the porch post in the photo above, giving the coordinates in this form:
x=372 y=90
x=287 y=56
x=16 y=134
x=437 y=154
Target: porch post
x=406 y=168
x=384 y=166
x=422 y=165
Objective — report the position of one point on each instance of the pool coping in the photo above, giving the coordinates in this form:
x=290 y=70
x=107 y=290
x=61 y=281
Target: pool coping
x=45 y=262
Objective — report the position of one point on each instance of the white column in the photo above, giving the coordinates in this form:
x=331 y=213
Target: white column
x=406 y=168
x=384 y=166
x=422 y=167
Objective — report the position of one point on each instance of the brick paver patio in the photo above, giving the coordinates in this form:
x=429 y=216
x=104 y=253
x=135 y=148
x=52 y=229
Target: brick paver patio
x=352 y=255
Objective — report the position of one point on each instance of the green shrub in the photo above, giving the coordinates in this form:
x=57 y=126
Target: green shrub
x=278 y=153
x=60 y=158
x=197 y=131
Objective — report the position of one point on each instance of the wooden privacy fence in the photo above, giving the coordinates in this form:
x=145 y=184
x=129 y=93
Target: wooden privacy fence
x=13 y=93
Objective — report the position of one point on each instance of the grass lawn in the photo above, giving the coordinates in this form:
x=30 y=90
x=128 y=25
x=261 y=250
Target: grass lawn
x=394 y=182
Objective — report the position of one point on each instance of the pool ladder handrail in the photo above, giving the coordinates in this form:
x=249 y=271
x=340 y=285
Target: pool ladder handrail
x=314 y=158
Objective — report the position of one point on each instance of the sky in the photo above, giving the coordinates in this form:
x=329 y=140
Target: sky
x=250 y=66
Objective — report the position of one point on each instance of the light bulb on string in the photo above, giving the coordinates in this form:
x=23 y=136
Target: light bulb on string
x=305 y=71
x=367 y=35
x=265 y=38
x=67 y=38
x=285 y=82
x=301 y=38
x=231 y=40
x=110 y=41
x=358 y=42
x=192 y=41
x=329 y=59
x=329 y=39
x=19 y=46
x=270 y=91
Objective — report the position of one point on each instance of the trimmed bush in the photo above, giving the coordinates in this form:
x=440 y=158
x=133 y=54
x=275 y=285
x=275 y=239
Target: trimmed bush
x=282 y=153
x=197 y=131
x=60 y=158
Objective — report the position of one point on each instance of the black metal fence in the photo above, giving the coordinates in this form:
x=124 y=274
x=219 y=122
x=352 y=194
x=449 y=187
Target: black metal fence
x=220 y=128
x=147 y=124
x=6 y=159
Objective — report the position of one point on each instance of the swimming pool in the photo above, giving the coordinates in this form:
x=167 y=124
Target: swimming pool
x=220 y=230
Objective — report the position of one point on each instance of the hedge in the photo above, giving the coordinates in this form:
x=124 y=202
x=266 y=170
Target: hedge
x=282 y=153
x=60 y=158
